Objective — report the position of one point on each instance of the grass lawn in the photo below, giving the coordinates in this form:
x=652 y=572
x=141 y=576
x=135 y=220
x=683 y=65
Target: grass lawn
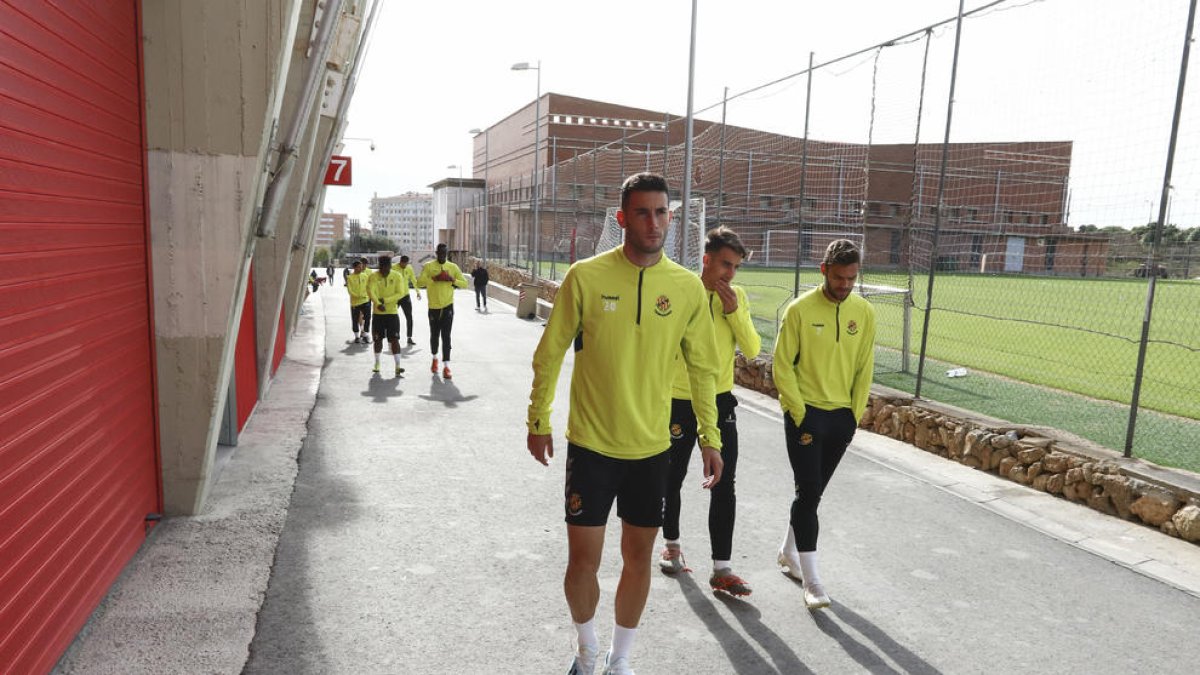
x=1067 y=334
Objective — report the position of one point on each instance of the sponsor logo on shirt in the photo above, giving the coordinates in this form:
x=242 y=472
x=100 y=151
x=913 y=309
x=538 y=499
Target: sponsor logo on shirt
x=610 y=302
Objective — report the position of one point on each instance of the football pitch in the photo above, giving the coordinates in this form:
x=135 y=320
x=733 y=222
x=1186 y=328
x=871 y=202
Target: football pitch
x=1060 y=334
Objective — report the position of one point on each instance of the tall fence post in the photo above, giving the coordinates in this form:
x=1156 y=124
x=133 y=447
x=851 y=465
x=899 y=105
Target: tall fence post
x=1156 y=242
x=721 y=164
x=937 y=218
x=803 y=177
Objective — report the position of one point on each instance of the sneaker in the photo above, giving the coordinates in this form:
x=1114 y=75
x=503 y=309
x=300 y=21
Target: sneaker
x=815 y=597
x=728 y=582
x=375 y=369
x=366 y=339
x=671 y=560
x=399 y=370
x=412 y=342
x=790 y=567
x=584 y=662
x=433 y=368
x=446 y=373
x=618 y=666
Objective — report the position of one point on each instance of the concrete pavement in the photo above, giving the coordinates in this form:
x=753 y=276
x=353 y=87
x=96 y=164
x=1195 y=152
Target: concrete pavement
x=421 y=538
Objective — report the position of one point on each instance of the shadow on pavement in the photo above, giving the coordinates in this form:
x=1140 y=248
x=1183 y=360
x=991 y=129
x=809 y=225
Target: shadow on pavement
x=380 y=389
x=868 y=655
x=744 y=659
x=446 y=392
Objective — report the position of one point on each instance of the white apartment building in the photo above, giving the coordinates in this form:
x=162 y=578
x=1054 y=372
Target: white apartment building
x=406 y=219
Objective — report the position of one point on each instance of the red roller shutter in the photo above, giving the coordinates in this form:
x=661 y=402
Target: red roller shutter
x=78 y=438
x=245 y=359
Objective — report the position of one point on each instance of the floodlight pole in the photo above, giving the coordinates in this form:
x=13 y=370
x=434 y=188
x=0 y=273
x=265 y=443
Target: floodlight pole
x=1163 y=205
x=941 y=193
x=685 y=218
x=803 y=178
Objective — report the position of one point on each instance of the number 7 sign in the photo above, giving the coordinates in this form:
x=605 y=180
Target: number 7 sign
x=338 y=171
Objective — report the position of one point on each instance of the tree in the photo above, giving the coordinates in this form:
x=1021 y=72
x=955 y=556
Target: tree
x=320 y=257
x=368 y=243
x=339 y=247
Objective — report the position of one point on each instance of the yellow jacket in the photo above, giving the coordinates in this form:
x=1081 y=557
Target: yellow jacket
x=732 y=330
x=441 y=293
x=410 y=279
x=629 y=326
x=825 y=354
x=386 y=291
x=356 y=286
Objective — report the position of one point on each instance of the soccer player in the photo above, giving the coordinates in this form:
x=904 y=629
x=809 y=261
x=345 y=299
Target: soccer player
x=440 y=278
x=630 y=313
x=406 y=302
x=385 y=289
x=729 y=310
x=360 y=303
x=824 y=363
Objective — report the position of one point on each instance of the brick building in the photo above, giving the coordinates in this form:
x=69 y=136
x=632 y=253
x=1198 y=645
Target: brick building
x=1005 y=204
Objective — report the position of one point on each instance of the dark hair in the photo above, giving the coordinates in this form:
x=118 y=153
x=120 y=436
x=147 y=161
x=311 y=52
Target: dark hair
x=723 y=237
x=442 y=246
x=356 y=262
x=385 y=260
x=643 y=182
x=403 y=258
x=841 y=252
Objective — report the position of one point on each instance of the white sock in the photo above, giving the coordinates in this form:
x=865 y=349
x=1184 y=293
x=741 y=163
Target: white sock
x=673 y=543
x=377 y=359
x=789 y=543
x=719 y=565
x=397 y=357
x=622 y=642
x=587 y=635
x=808 y=568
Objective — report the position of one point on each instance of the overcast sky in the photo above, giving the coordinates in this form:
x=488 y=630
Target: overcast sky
x=1100 y=73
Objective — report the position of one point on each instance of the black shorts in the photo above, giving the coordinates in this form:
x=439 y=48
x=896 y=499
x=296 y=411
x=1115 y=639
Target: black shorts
x=594 y=480
x=388 y=324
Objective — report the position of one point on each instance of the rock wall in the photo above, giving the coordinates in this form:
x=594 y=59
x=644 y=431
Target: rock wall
x=1044 y=459
x=513 y=278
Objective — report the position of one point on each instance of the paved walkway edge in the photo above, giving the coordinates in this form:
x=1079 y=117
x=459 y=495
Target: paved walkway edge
x=1132 y=545
x=188 y=602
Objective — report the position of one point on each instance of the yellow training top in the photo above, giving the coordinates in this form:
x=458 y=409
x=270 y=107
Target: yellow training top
x=732 y=330
x=441 y=293
x=356 y=286
x=386 y=291
x=629 y=325
x=825 y=354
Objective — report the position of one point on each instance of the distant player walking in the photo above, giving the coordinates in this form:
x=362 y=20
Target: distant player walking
x=440 y=278
x=729 y=310
x=824 y=364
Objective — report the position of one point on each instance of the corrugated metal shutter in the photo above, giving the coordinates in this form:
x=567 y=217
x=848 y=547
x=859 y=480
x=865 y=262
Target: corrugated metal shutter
x=245 y=358
x=78 y=438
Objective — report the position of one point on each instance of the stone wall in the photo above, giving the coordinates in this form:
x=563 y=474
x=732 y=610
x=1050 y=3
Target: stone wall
x=513 y=278
x=1043 y=458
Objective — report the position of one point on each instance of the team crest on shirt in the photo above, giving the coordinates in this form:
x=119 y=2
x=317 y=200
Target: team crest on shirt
x=574 y=504
x=662 y=306
x=676 y=431
x=805 y=439
x=852 y=327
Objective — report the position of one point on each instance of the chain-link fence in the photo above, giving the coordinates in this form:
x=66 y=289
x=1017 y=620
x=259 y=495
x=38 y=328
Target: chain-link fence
x=1021 y=253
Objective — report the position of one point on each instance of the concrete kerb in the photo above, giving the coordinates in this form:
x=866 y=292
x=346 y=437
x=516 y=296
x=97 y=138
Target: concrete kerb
x=189 y=599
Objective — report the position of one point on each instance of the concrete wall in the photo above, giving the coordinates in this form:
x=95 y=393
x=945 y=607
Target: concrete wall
x=212 y=71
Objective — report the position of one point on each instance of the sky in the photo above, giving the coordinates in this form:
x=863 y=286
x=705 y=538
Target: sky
x=1099 y=73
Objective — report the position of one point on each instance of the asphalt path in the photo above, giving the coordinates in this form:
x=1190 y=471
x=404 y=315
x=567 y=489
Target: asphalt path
x=422 y=538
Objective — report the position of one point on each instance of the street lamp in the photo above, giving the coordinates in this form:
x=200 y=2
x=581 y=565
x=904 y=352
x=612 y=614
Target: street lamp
x=486 y=224
x=537 y=198
x=456 y=190
x=354 y=138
